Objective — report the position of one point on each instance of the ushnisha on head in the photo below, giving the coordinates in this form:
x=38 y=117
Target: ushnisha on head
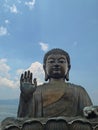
x=55 y=52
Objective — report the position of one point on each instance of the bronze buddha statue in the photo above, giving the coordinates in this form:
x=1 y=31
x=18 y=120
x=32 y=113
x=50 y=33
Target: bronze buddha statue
x=57 y=97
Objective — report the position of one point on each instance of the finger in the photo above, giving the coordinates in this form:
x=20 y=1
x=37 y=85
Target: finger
x=28 y=73
x=30 y=79
x=21 y=78
x=35 y=82
x=28 y=76
x=25 y=76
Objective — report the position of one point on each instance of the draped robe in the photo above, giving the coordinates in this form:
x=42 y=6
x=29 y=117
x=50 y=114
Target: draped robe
x=53 y=100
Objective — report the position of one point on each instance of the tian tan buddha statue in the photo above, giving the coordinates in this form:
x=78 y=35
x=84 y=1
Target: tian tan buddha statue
x=62 y=105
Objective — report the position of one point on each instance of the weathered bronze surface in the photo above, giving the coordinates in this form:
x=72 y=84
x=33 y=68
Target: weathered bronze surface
x=40 y=107
x=55 y=98
x=56 y=123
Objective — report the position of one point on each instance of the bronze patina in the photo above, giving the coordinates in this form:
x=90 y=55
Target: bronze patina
x=56 y=104
x=55 y=98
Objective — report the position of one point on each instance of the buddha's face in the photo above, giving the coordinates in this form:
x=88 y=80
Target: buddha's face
x=56 y=66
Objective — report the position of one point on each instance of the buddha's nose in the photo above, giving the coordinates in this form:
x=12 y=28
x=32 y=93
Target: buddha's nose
x=56 y=64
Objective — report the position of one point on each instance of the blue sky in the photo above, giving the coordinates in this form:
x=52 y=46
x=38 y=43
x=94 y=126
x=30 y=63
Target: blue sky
x=29 y=28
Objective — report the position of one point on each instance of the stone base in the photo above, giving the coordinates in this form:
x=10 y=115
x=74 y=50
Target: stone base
x=56 y=123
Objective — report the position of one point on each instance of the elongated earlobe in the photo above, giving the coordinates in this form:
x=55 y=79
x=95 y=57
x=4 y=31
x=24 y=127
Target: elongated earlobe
x=46 y=76
x=67 y=76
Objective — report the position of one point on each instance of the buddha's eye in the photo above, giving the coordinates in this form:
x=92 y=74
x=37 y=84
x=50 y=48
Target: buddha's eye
x=62 y=61
x=51 y=61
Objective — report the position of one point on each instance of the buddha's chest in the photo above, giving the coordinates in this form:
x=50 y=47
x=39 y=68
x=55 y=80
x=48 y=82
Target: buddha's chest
x=51 y=96
x=58 y=102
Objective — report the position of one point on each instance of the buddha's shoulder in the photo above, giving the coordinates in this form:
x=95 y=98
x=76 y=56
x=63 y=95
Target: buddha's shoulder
x=75 y=86
x=41 y=86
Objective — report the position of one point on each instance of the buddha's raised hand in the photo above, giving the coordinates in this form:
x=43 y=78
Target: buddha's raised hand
x=26 y=84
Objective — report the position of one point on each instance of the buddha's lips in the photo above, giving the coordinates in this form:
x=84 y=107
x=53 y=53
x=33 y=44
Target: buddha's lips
x=56 y=68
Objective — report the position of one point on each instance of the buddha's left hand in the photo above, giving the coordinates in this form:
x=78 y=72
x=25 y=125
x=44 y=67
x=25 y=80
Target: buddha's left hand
x=90 y=111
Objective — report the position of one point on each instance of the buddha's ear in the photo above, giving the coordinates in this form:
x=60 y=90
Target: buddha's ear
x=46 y=76
x=67 y=75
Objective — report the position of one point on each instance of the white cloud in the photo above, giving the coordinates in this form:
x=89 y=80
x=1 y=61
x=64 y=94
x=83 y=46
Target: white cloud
x=5 y=82
x=30 y=4
x=37 y=69
x=20 y=71
x=3 y=31
x=13 y=9
x=5 y=77
x=44 y=46
x=10 y=5
x=4 y=68
x=6 y=21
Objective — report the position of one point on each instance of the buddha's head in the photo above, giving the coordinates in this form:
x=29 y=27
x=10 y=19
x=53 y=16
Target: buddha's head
x=56 y=64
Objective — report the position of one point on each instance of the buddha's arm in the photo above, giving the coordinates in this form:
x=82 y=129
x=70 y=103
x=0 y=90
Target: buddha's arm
x=27 y=89
x=84 y=100
x=89 y=110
